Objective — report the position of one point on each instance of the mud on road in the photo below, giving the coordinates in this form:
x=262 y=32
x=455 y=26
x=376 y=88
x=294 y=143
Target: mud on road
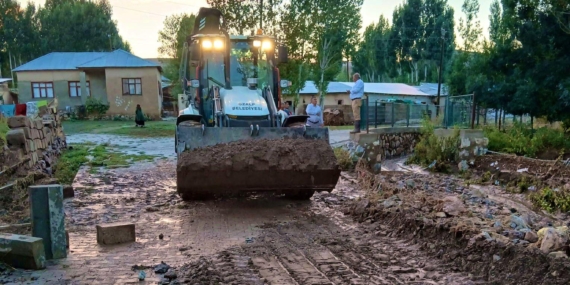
x=262 y=239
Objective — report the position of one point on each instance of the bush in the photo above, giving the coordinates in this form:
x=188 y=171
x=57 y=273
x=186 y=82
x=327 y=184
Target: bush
x=3 y=129
x=520 y=139
x=430 y=148
x=96 y=108
x=551 y=200
x=343 y=158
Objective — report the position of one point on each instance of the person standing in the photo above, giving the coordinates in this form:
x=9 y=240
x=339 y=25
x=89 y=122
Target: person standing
x=139 y=117
x=356 y=94
x=286 y=108
x=314 y=111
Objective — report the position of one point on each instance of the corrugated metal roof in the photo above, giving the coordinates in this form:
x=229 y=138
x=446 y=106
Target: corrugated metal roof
x=118 y=58
x=334 y=87
x=2 y=80
x=374 y=88
x=59 y=61
x=75 y=60
x=431 y=88
x=390 y=88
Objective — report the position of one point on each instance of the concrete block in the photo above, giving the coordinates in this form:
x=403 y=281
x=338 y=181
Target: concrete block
x=18 y=122
x=41 y=134
x=32 y=145
x=24 y=252
x=39 y=124
x=115 y=233
x=37 y=142
x=68 y=191
x=27 y=132
x=34 y=158
x=16 y=137
x=48 y=220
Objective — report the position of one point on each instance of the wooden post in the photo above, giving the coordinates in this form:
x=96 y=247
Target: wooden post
x=473 y=108
x=48 y=218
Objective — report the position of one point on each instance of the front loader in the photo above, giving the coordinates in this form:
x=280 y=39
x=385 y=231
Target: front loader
x=232 y=91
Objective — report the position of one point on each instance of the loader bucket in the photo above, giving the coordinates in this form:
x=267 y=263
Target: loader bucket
x=215 y=161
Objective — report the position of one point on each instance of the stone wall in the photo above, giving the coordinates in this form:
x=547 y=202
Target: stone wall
x=38 y=142
x=473 y=143
x=386 y=143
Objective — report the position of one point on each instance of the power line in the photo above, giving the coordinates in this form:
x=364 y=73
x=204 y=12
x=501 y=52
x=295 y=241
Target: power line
x=140 y=11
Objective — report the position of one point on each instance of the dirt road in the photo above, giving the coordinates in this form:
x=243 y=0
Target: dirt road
x=253 y=240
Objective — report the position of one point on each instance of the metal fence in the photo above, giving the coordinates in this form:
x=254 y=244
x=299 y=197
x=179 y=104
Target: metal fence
x=457 y=111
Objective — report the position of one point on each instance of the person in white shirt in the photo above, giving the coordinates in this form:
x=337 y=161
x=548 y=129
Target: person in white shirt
x=356 y=94
x=314 y=111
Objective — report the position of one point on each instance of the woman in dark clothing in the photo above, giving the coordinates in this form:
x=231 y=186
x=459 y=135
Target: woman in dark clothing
x=139 y=117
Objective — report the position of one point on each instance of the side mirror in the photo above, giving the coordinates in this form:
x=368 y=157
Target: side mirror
x=283 y=54
x=285 y=83
x=195 y=83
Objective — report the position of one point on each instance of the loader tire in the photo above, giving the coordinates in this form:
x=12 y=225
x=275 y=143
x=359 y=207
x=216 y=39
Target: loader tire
x=196 y=196
x=300 y=195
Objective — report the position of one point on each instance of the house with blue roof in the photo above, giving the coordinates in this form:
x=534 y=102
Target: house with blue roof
x=117 y=78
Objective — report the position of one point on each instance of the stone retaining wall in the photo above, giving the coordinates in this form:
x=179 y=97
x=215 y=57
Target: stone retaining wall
x=386 y=143
x=39 y=141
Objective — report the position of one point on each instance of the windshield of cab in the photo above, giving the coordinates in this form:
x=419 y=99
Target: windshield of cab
x=242 y=65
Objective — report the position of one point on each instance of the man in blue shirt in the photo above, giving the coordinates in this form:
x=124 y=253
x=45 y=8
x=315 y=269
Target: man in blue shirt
x=356 y=94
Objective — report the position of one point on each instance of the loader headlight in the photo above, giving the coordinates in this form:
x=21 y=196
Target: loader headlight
x=256 y=43
x=267 y=45
x=207 y=44
x=218 y=44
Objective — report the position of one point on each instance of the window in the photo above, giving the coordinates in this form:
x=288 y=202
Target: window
x=132 y=86
x=75 y=89
x=42 y=89
x=339 y=102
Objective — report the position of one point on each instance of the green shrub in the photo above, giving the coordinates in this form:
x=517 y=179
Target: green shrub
x=96 y=108
x=3 y=130
x=552 y=200
x=520 y=139
x=430 y=148
x=343 y=158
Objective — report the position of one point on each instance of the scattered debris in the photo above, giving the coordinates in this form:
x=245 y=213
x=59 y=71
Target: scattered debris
x=160 y=236
x=161 y=268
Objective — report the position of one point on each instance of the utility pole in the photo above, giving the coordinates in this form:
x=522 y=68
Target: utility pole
x=440 y=71
x=261 y=14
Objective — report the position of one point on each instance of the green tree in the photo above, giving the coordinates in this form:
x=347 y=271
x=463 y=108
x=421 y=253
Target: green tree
x=172 y=37
x=78 y=25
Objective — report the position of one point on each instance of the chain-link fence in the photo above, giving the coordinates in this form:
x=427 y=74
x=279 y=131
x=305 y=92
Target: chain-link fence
x=457 y=111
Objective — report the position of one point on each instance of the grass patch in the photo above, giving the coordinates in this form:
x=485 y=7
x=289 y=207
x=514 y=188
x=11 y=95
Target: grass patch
x=336 y=128
x=3 y=129
x=520 y=139
x=69 y=163
x=103 y=156
x=151 y=129
x=343 y=158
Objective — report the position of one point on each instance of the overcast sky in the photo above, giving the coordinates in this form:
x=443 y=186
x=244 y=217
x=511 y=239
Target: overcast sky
x=140 y=20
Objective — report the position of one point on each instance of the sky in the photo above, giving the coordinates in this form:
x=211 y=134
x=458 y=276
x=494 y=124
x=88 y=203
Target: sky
x=139 y=21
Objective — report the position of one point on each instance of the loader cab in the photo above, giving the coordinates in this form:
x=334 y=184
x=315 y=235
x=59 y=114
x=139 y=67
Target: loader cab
x=222 y=61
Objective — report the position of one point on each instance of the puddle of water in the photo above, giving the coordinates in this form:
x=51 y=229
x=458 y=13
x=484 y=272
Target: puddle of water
x=156 y=147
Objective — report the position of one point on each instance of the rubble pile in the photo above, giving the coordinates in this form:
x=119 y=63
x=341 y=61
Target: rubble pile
x=333 y=117
x=32 y=146
x=483 y=231
x=35 y=141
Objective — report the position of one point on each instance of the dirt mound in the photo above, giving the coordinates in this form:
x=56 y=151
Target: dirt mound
x=333 y=117
x=477 y=230
x=512 y=170
x=301 y=155
x=259 y=165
